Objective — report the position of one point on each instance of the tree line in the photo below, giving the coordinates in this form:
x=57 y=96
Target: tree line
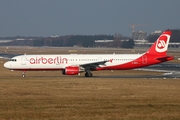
x=85 y=40
x=175 y=37
x=73 y=40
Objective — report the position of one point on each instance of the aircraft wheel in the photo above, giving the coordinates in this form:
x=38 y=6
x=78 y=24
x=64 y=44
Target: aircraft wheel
x=23 y=75
x=88 y=74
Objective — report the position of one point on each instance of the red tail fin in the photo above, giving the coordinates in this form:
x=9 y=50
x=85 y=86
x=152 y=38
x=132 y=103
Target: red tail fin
x=161 y=45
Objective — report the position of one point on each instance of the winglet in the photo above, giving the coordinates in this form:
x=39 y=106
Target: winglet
x=161 y=45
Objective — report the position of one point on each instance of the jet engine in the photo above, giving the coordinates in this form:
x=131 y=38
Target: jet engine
x=71 y=70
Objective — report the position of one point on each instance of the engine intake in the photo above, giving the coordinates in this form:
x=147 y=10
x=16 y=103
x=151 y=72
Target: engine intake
x=71 y=70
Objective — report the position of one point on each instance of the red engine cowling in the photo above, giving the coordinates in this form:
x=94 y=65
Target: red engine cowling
x=70 y=70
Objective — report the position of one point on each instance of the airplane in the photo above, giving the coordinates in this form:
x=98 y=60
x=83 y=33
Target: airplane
x=73 y=64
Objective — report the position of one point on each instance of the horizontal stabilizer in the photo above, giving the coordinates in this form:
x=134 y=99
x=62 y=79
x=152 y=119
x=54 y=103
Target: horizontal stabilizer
x=165 y=58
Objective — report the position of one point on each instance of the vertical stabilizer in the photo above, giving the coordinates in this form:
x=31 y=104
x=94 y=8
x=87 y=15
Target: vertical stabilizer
x=161 y=45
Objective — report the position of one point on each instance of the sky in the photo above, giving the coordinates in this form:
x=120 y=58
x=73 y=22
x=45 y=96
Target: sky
x=86 y=17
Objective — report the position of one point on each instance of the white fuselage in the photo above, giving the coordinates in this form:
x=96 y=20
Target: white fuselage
x=58 y=62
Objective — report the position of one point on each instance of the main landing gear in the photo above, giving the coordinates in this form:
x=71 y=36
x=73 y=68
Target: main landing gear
x=88 y=73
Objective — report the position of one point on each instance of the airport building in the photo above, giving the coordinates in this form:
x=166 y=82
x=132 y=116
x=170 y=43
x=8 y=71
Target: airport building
x=139 y=35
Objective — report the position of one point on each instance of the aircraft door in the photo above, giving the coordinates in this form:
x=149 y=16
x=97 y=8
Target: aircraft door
x=144 y=59
x=23 y=60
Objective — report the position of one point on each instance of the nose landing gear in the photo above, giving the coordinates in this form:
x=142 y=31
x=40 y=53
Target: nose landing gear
x=23 y=73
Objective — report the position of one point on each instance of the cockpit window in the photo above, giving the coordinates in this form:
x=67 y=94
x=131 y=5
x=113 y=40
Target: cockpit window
x=14 y=60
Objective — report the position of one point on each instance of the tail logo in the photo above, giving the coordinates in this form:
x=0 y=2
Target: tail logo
x=162 y=43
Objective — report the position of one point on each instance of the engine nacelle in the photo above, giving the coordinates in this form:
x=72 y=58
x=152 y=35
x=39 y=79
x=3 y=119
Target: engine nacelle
x=71 y=70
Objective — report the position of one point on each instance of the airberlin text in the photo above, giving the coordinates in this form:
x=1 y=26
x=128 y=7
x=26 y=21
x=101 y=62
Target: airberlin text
x=43 y=60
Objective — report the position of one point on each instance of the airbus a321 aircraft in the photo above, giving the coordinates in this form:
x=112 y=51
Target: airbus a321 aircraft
x=77 y=63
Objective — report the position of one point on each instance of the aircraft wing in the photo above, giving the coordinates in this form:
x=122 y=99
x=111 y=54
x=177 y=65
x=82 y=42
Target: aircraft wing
x=93 y=65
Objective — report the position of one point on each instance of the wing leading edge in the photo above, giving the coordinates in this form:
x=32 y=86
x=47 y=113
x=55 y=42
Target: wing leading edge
x=94 y=65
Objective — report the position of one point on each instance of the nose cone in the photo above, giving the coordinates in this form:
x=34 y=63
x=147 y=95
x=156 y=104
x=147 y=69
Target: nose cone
x=7 y=65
